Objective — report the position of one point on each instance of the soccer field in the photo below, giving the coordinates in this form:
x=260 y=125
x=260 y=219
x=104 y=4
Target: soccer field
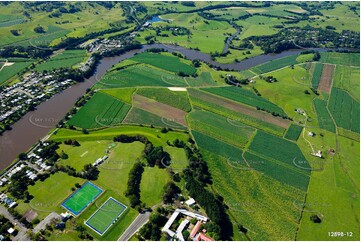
x=79 y=200
x=105 y=216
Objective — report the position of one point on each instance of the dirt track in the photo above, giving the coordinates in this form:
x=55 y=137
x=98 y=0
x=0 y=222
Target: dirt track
x=159 y=109
x=326 y=78
x=237 y=107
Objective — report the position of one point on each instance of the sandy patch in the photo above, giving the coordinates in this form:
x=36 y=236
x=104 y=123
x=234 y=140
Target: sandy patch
x=178 y=89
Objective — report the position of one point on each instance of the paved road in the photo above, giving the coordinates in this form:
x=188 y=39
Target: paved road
x=21 y=236
x=138 y=222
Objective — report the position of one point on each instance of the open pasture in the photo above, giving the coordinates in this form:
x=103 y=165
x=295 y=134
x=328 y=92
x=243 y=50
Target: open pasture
x=123 y=94
x=101 y=110
x=222 y=128
x=139 y=75
x=169 y=63
x=163 y=95
x=345 y=110
x=247 y=97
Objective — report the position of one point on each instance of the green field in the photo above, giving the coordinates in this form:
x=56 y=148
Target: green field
x=323 y=116
x=175 y=99
x=139 y=75
x=169 y=63
x=250 y=195
x=199 y=101
x=288 y=153
x=221 y=128
x=80 y=199
x=101 y=110
x=123 y=94
x=275 y=64
x=348 y=79
x=277 y=171
x=293 y=132
x=142 y=117
x=345 y=110
x=104 y=217
x=66 y=59
x=48 y=195
x=346 y=59
x=247 y=97
x=9 y=71
x=316 y=75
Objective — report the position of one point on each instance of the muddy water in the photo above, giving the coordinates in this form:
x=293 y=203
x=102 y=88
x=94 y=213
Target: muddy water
x=35 y=125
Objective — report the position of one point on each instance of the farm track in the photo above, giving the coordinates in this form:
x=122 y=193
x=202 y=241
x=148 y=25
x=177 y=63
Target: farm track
x=237 y=107
x=325 y=84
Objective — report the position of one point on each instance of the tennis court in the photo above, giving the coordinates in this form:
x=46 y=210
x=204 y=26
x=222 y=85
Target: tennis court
x=105 y=216
x=80 y=199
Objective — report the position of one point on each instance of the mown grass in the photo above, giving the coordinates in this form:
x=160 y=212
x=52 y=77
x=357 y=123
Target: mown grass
x=175 y=99
x=204 y=79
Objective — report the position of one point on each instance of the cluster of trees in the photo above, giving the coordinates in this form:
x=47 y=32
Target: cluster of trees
x=154 y=155
x=308 y=37
x=269 y=79
x=5 y=224
x=24 y=52
x=133 y=185
x=170 y=190
x=19 y=186
x=232 y=80
x=151 y=230
x=39 y=29
x=89 y=171
x=316 y=54
x=71 y=142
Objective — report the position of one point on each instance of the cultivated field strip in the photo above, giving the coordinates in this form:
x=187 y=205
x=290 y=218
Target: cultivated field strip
x=237 y=107
x=160 y=109
x=326 y=78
